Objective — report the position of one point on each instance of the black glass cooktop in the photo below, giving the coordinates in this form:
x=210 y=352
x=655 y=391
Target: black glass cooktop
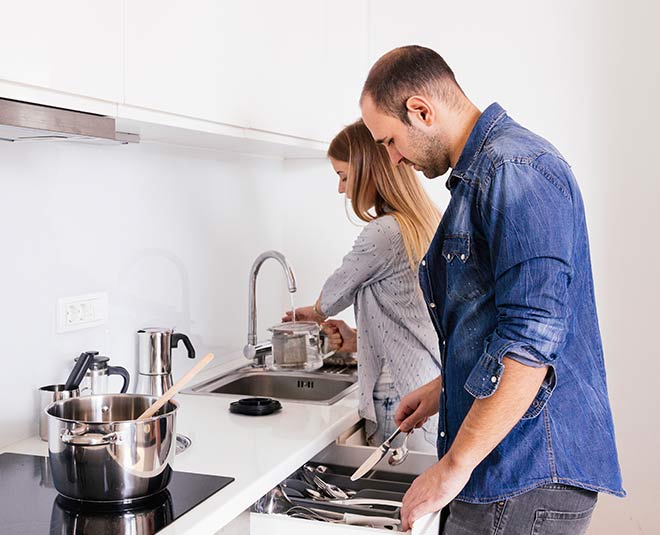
x=30 y=505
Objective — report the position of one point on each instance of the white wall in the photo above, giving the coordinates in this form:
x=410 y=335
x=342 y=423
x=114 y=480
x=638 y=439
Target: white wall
x=169 y=233
x=585 y=75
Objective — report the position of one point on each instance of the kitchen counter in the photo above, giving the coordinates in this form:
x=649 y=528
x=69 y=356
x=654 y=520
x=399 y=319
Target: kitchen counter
x=257 y=451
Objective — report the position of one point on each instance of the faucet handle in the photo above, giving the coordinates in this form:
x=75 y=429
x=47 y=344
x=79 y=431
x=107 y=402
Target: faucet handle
x=257 y=352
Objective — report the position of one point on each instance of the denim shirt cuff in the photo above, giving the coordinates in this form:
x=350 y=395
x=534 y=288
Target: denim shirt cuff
x=486 y=375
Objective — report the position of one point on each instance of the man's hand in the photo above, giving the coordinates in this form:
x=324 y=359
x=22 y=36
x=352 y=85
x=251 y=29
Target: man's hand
x=303 y=314
x=433 y=489
x=418 y=406
x=341 y=336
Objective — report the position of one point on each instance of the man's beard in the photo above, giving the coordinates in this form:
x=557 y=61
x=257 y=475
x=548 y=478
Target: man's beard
x=432 y=157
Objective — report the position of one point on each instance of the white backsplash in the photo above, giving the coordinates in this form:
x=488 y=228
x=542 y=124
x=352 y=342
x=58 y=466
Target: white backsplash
x=169 y=233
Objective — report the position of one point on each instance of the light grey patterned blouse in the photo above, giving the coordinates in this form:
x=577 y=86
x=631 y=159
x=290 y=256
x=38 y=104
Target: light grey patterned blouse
x=393 y=323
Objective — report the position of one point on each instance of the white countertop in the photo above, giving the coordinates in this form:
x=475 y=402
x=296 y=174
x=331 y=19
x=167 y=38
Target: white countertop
x=257 y=451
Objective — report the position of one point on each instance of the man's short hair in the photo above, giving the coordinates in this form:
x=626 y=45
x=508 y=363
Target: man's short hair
x=407 y=71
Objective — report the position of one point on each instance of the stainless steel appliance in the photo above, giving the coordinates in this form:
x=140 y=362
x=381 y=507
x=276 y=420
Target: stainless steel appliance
x=96 y=379
x=23 y=121
x=99 y=452
x=155 y=359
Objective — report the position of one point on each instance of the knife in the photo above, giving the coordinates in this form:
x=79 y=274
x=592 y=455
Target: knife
x=375 y=457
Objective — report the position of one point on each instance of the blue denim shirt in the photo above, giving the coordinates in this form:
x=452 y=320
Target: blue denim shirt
x=508 y=273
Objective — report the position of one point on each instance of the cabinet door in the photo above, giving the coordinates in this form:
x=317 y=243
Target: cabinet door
x=72 y=46
x=189 y=58
x=311 y=59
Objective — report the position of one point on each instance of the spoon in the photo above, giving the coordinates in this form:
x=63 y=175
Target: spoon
x=174 y=389
x=399 y=454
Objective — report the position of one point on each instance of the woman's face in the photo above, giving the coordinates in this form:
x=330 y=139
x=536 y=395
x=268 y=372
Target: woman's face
x=341 y=168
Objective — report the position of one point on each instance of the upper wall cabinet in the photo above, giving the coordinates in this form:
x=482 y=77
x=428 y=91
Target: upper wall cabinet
x=310 y=64
x=71 y=46
x=189 y=58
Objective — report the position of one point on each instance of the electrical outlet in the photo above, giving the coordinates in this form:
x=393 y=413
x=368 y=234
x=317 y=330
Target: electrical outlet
x=81 y=312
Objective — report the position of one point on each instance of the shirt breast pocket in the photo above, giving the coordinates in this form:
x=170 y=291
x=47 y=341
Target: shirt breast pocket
x=466 y=279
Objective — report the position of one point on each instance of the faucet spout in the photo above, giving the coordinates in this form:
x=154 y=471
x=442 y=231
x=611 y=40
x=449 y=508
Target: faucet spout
x=251 y=349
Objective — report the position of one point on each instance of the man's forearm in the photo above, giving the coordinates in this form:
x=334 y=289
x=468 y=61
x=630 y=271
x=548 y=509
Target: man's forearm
x=490 y=419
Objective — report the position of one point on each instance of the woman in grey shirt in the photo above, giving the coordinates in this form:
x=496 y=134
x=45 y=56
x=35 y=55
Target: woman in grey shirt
x=397 y=346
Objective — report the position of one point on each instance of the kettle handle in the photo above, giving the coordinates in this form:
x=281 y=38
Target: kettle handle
x=118 y=370
x=176 y=337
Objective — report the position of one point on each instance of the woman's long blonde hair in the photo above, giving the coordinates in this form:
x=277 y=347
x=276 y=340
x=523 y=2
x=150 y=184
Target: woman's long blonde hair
x=387 y=189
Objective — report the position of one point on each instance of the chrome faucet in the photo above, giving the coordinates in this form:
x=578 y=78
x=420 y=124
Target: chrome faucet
x=254 y=351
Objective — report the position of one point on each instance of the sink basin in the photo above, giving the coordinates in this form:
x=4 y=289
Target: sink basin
x=319 y=387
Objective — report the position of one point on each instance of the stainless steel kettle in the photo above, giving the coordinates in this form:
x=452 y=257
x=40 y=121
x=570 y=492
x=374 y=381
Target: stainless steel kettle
x=155 y=359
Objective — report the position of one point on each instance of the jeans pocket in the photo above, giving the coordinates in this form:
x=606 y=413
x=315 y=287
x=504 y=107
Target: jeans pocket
x=562 y=522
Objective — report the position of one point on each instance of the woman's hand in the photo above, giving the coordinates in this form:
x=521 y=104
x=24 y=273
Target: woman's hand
x=341 y=336
x=303 y=314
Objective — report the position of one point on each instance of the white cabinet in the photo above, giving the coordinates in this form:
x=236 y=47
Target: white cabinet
x=312 y=59
x=71 y=46
x=189 y=58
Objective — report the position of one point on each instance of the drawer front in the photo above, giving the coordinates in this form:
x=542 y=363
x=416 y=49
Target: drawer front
x=261 y=524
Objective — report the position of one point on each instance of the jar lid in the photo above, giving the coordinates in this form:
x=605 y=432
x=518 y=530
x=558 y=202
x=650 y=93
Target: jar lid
x=295 y=327
x=255 y=406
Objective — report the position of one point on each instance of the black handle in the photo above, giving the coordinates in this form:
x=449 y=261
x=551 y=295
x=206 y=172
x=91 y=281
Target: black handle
x=176 y=337
x=118 y=370
x=79 y=370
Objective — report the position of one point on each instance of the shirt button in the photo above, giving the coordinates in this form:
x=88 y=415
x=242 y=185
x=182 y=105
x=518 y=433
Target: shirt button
x=423 y=262
x=442 y=434
x=432 y=305
x=462 y=257
x=493 y=379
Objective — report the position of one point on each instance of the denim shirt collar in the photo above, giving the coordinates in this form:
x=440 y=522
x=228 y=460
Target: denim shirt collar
x=490 y=116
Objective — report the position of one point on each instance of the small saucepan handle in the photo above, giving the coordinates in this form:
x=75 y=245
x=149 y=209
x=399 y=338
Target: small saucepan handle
x=89 y=439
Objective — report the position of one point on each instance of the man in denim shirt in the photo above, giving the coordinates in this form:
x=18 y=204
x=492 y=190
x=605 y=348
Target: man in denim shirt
x=525 y=436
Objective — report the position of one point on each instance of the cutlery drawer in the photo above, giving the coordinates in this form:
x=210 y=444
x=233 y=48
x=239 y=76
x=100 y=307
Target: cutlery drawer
x=342 y=460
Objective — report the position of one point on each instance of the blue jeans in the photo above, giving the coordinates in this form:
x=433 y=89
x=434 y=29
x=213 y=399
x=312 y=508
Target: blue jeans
x=386 y=400
x=553 y=509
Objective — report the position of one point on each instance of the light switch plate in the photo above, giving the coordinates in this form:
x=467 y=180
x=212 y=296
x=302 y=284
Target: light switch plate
x=81 y=312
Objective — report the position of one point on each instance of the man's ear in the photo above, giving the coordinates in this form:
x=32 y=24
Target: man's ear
x=421 y=109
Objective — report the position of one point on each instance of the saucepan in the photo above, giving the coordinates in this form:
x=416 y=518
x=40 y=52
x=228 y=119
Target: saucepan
x=100 y=452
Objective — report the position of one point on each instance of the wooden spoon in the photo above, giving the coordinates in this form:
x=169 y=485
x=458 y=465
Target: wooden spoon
x=172 y=391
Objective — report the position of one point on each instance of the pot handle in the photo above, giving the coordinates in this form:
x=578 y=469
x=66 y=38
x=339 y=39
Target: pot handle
x=89 y=439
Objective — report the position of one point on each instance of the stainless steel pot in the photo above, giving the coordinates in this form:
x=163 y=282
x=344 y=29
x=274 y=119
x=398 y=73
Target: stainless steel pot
x=99 y=452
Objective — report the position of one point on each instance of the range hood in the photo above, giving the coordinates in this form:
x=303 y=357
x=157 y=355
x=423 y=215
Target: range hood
x=23 y=121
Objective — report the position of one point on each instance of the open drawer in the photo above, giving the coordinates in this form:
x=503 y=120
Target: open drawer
x=341 y=461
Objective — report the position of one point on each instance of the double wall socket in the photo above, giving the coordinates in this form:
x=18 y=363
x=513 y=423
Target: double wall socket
x=81 y=312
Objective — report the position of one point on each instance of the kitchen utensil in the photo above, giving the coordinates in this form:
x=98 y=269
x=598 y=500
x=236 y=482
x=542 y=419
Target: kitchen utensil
x=297 y=345
x=376 y=456
x=99 y=452
x=399 y=454
x=276 y=501
x=331 y=490
x=174 y=389
x=96 y=378
x=182 y=443
x=155 y=359
x=255 y=406
x=79 y=370
x=47 y=395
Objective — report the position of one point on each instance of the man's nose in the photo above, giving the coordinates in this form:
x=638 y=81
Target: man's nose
x=395 y=155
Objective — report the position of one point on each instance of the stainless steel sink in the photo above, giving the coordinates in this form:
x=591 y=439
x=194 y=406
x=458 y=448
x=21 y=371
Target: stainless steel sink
x=323 y=387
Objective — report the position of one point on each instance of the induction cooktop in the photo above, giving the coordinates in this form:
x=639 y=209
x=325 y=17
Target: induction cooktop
x=30 y=505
